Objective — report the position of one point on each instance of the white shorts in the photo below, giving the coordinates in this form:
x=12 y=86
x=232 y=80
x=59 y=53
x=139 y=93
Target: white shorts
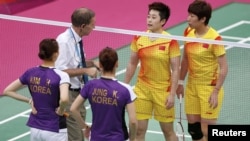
x=41 y=135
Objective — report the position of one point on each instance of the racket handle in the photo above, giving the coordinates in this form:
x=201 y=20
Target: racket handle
x=180 y=97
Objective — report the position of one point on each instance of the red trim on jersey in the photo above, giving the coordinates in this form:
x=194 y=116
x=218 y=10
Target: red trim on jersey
x=172 y=43
x=136 y=37
x=205 y=45
x=162 y=47
x=187 y=30
x=218 y=38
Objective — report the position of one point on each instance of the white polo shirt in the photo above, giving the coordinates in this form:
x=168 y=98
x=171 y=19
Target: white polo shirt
x=69 y=54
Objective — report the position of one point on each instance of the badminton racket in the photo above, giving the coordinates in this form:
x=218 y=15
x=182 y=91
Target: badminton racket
x=179 y=127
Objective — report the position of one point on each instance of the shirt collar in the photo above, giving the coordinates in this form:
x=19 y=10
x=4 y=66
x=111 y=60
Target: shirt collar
x=76 y=36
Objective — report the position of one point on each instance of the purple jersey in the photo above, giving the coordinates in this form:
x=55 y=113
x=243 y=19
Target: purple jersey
x=107 y=98
x=43 y=84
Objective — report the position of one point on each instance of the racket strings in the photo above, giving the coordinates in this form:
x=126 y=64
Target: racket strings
x=180 y=129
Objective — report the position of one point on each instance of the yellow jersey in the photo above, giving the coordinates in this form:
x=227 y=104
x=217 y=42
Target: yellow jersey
x=154 y=56
x=203 y=65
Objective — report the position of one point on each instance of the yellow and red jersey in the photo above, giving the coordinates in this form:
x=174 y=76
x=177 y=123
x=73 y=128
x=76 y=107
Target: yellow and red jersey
x=202 y=58
x=155 y=58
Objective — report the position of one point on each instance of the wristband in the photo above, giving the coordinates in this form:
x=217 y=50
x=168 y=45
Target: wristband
x=217 y=89
x=181 y=82
x=83 y=129
x=30 y=101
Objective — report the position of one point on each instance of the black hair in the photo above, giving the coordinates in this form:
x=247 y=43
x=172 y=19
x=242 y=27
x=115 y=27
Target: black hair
x=108 y=58
x=47 y=48
x=163 y=9
x=201 y=9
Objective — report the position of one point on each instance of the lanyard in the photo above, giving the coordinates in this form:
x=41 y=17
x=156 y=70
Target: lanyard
x=76 y=47
x=81 y=64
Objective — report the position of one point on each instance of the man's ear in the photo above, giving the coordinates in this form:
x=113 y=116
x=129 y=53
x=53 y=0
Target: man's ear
x=116 y=64
x=83 y=25
x=203 y=19
x=163 y=22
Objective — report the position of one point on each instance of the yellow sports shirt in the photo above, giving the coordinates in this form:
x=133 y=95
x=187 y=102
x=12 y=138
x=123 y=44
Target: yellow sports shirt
x=202 y=58
x=155 y=58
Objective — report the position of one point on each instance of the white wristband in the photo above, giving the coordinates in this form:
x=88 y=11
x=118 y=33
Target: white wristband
x=83 y=129
x=30 y=101
x=180 y=82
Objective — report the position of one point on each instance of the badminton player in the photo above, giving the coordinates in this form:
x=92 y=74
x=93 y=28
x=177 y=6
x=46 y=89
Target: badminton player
x=48 y=88
x=107 y=97
x=206 y=66
x=159 y=72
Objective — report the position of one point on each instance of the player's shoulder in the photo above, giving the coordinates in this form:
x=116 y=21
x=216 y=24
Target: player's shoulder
x=60 y=72
x=32 y=69
x=137 y=37
x=165 y=33
x=213 y=31
x=125 y=85
x=187 y=30
x=213 y=34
